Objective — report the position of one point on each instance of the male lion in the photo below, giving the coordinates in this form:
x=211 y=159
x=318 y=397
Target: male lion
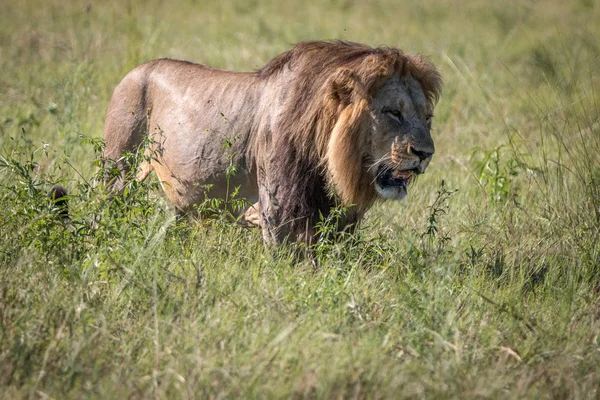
x=323 y=124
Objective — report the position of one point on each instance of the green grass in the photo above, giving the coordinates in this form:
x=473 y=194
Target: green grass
x=484 y=282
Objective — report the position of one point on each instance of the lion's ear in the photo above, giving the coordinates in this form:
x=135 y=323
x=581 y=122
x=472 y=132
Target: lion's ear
x=345 y=87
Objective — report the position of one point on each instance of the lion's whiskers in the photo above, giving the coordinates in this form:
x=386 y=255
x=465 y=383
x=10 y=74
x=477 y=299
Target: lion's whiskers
x=385 y=168
x=384 y=160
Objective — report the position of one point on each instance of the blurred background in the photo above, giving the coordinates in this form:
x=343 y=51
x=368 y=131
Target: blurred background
x=482 y=283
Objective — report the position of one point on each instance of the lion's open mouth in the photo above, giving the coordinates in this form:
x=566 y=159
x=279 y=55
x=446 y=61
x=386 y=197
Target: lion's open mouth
x=389 y=178
x=393 y=184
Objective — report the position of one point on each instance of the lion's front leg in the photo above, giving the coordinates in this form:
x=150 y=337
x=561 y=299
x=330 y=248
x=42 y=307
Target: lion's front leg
x=270 y=212
x=279 y=219
x=292 y=195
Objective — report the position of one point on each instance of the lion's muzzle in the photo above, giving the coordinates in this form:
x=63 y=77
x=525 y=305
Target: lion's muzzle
x=406 y=162
x=424 y=157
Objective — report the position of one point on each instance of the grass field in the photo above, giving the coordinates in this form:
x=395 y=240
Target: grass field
x=483 y=283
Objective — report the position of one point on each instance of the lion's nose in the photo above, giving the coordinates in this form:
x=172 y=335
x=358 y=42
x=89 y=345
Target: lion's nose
x=422 y=154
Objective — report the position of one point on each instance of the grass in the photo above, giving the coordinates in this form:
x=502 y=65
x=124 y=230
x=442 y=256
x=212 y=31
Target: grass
x=484 y=282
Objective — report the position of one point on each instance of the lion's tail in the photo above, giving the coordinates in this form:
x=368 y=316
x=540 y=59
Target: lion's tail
x=58 y=194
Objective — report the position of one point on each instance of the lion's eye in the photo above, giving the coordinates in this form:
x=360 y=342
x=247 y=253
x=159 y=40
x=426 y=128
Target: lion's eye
x=396 y=114
x=428 y=118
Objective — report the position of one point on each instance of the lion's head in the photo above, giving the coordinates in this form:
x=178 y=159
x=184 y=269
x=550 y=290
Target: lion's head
x=364 y=113
x=401 y=143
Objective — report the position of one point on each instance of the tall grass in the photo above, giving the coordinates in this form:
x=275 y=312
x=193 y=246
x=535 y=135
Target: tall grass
x=484 y=282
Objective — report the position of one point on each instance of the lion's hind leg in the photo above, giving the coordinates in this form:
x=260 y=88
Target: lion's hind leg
x=144 y=170
x=251 y=217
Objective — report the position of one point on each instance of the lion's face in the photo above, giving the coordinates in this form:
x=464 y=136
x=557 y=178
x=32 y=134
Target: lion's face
x=401 y=143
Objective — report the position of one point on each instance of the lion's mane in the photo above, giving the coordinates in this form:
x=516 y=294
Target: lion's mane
x=321 y=149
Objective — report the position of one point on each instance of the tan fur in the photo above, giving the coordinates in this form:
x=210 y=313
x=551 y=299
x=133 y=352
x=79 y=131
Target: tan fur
x=343 y=149
x=308 y=131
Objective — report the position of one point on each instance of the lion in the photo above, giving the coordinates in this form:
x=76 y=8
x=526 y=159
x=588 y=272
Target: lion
x=325 y=124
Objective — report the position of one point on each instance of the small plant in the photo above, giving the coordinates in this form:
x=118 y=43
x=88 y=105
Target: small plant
x=327 y=233
x=495 y=174
x=434 y=232
x=232 y=201
x=351 y=247
x=33 y=217
x=232 y=204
